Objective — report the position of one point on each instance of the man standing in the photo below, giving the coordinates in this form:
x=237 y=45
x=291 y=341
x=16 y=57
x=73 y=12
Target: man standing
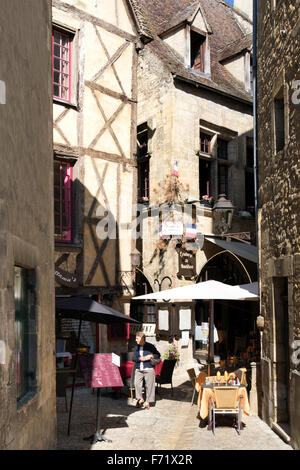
x=142 y=355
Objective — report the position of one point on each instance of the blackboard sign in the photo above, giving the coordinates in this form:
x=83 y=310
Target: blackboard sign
x=99 y=371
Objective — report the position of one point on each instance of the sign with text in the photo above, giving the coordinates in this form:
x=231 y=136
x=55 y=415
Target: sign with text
x=187 y=265
x=99 y=371
x=147 y=328
x=65 y=278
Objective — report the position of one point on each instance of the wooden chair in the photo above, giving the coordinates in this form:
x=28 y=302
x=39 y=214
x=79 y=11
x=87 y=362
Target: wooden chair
x=165 y=376
x=192 y=377
x=227 y=402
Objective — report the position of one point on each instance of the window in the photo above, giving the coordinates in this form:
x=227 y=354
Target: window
x=198 y=46
x=61 y=65
x=63 y=200
x=222 y=149
x=223 y=179
x=143 y=163
x=222 y=154
x=25 y=332
x=279 y=121
x=146 y=313
x=205 y=143
x=205 y=178
x=249 y=179
x=118 y=331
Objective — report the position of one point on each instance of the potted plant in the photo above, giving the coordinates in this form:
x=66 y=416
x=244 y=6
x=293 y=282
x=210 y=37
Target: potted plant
x=143 y=199
x=207 y=201
x=172 y=352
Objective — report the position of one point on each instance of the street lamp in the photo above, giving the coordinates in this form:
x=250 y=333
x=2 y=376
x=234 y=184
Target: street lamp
x=223 y=210
x=135 y=258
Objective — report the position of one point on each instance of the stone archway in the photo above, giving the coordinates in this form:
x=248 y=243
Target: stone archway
x=226 y=267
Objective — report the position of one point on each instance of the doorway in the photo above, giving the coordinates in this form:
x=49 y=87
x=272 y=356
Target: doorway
x=282 y=352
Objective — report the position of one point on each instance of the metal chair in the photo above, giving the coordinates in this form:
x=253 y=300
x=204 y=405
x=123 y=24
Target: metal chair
x=166 y=373
x=227 y=402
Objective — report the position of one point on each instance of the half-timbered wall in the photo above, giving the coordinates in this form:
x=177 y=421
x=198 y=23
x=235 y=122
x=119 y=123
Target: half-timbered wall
x=96 y=133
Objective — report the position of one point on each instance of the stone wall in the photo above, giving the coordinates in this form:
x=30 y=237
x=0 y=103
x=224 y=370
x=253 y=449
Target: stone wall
x=26 y=214
x=278 y=71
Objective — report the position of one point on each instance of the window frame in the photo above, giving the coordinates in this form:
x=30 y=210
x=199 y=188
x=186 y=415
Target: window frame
x=26 y=362
x=201 y=50
x=209 y=145
x=70 y=37
x=67 y=203
x=143 y=163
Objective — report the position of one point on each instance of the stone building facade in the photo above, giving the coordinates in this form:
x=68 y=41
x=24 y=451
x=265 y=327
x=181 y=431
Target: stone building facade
x=194 y=111
x=95 y=47
x=27 y=358
x=278 y=158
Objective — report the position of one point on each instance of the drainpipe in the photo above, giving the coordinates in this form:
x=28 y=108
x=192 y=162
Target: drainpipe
x=255 y=134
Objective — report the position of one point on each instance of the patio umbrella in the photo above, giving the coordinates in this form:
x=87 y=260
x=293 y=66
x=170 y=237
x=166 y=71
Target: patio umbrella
x=208 y=290
x=84 y=308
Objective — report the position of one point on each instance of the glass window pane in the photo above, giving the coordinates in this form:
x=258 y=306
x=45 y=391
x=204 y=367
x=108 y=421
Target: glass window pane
x=56 y=64
x=57 y=51
x=56 y=76
x=56 y=37
x=56 y=90
x=64 y=93
x=65 y=40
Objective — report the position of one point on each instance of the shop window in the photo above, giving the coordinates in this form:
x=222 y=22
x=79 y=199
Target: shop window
x=205 y=143
x=63 y=201
x=25 y=333
x=198 y=46
x=143 y=163
x=61 y=64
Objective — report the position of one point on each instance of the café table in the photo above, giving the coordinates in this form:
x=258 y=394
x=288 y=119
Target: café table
x=207 y=391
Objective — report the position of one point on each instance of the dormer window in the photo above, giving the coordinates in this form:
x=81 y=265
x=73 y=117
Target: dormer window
x=198 y=49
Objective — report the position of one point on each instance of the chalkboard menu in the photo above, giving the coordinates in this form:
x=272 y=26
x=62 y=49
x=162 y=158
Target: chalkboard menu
x=99 y=371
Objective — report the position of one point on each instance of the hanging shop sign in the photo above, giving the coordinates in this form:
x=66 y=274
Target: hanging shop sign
x=65 y=278
x=187 y=265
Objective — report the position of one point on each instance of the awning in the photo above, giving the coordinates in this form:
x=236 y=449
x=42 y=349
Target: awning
x=243 y=250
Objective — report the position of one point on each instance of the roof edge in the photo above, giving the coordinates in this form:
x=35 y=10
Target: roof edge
x=213 y=89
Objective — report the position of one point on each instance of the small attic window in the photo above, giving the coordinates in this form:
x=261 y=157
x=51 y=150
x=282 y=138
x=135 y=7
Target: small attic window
x=198 y=47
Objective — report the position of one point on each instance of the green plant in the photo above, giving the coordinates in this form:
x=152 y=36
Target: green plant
x=172 y=352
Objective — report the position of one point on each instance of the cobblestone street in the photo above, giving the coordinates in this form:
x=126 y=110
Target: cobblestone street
x=171 y=425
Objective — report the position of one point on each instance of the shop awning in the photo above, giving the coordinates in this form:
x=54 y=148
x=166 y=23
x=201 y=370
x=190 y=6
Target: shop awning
x=243 y=250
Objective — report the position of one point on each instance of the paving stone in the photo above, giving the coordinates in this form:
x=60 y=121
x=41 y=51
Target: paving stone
x=171 y=424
